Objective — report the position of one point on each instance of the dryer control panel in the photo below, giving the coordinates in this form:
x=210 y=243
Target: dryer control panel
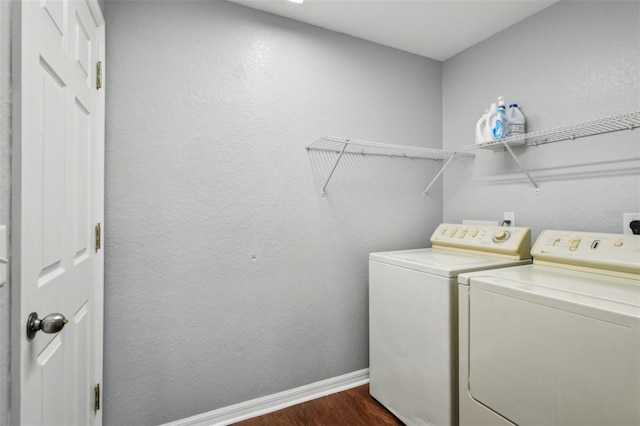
x=512 y=242
x=589 y=250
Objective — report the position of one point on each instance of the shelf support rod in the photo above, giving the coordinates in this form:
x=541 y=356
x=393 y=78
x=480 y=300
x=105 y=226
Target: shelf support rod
x=324 y=192
x=526 y=172
x=424 y=193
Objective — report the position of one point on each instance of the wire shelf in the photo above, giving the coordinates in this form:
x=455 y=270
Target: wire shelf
x=343 y=146
x=616 y=123
x=354 y=146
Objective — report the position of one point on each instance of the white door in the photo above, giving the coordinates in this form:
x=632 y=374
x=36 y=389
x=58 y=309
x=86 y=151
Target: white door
x=58 y=156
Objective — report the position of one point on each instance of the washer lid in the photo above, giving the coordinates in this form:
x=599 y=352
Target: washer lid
x=584 y=293
x=443 y=262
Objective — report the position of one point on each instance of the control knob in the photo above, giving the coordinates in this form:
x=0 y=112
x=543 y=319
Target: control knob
x=501 y=236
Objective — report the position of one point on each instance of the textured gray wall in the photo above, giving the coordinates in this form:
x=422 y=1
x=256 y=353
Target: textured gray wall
x=228 y=277
x=206 y=168
x=5 y=193
x=572 y=62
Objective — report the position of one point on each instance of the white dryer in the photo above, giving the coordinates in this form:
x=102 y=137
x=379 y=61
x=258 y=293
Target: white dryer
x=556 y=342
x=413 y=316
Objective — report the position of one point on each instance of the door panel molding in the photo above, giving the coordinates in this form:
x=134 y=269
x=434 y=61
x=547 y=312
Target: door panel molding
x=57 y=187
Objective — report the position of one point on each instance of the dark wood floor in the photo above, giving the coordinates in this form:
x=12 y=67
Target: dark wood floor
x=353 y=407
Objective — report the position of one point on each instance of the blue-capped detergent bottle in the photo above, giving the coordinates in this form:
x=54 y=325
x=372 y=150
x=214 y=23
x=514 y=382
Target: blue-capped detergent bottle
x=491 y=118
x=516 y=120
x=499 y=123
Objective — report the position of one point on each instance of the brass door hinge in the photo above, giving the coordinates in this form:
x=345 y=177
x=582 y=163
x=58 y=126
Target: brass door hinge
x=99 y=75
x=98 y=237
x=96 y=397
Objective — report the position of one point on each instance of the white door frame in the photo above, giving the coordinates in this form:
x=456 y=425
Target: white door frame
x=18 y=324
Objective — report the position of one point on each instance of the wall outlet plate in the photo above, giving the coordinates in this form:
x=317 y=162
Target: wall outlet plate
x=511 y=217
x=627 y=218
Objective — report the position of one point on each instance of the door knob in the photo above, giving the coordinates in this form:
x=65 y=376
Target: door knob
x=52 y=323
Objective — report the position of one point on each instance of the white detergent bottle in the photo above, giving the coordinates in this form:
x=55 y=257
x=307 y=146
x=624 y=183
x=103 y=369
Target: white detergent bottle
x=480 y=128
x=516 y=120
x=492 y=115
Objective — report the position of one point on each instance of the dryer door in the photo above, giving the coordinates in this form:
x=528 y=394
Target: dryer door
x=537 y=357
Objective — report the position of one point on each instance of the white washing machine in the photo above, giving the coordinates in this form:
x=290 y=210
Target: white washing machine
x=556 y=342
x=413 y=316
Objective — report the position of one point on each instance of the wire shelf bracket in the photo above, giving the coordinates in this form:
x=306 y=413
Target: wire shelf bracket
x=342 y=146
x=324 y=187
x=526 y=172
x=424 y=193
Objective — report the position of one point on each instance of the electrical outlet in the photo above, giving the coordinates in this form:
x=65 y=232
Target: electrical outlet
x=511 y=217
x=627 y=218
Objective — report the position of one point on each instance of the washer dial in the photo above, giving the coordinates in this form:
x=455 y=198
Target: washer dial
x=501 y=236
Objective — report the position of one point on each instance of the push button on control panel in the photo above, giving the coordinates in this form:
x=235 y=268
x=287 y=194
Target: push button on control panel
x=474 y=233
x=463 y=233
x=618 y=243
x=453 y=232
x=574 y=244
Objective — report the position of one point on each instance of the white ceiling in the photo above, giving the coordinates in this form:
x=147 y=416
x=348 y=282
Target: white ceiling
x=430 y=28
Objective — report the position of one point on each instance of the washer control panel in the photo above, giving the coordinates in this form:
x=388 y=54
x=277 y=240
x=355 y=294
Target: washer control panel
x=511 y=242
x=609 y=252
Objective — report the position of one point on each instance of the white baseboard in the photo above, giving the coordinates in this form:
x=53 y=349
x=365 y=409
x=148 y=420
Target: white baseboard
x=277 y=401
